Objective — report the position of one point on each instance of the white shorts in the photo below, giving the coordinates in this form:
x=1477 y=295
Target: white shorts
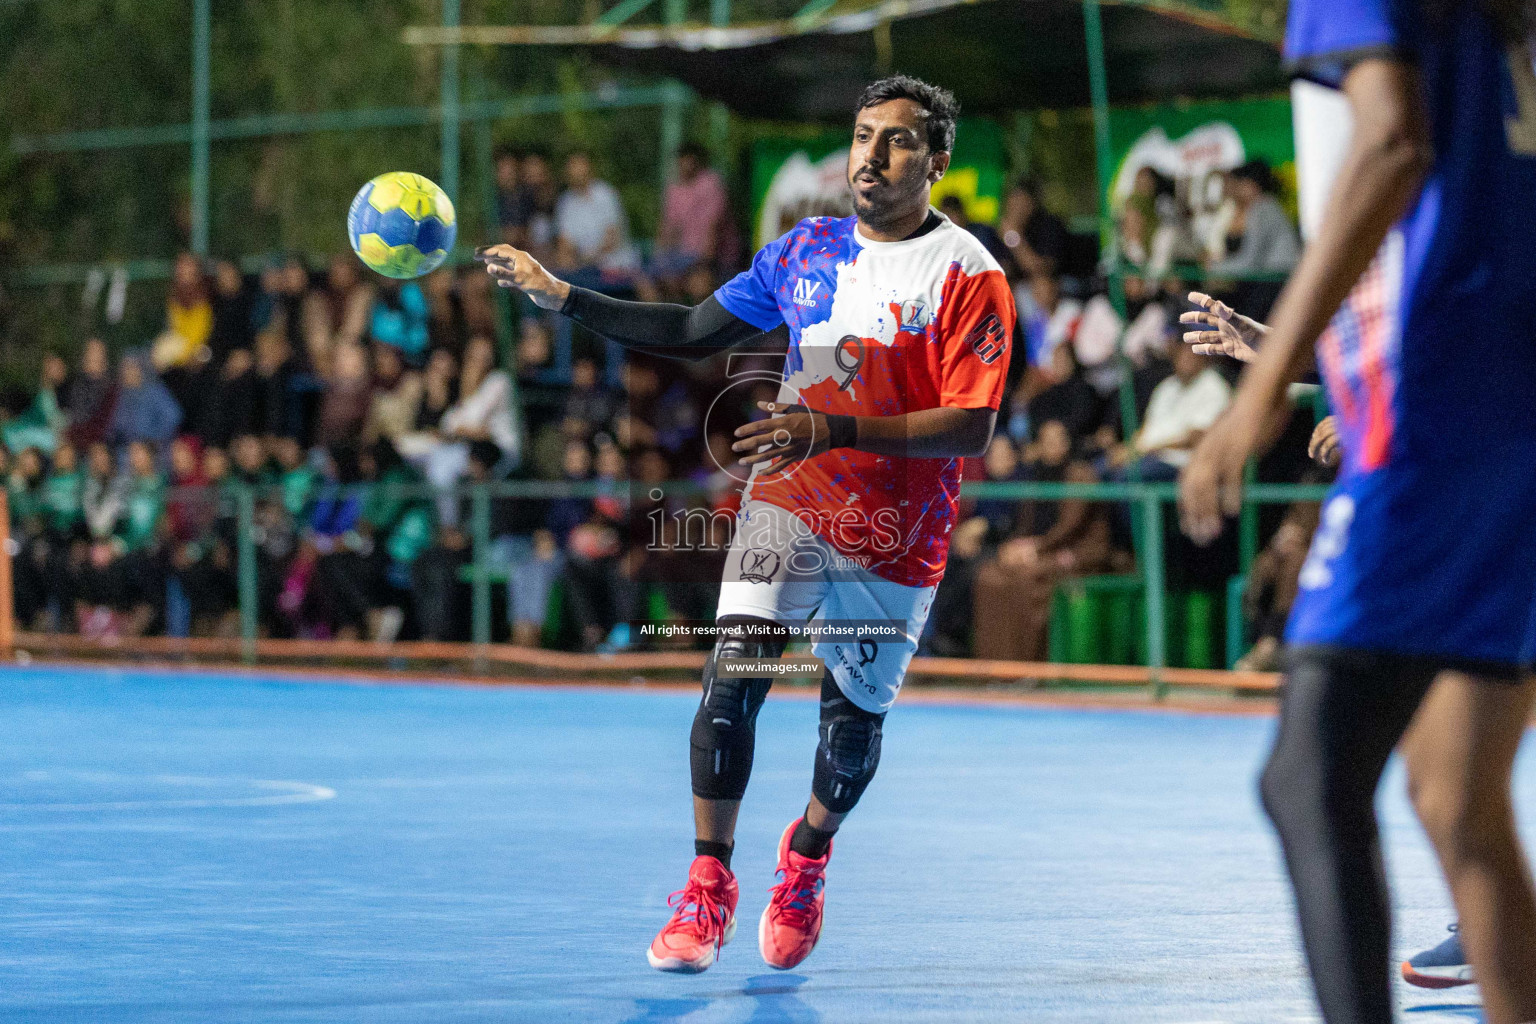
x=778 y=569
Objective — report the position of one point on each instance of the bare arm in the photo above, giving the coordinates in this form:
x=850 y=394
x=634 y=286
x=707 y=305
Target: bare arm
x=795 y=433
x=1388 y=160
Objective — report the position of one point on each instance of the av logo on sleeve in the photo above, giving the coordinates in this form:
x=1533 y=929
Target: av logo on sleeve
x=805 y=291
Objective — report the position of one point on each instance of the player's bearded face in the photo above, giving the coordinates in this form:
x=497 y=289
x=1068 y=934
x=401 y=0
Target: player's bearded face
x=889 y=162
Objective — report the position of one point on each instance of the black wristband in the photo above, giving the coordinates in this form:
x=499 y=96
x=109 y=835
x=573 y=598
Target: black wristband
x=843 y=431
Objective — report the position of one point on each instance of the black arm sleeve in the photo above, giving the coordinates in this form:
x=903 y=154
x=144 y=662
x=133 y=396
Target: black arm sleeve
x=667 y=328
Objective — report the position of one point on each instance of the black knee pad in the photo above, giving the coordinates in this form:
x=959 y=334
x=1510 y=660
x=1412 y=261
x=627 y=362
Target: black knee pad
x=725 y=726
x=849 y=751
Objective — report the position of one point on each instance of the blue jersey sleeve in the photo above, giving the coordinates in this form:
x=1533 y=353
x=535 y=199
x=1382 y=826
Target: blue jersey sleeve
x=1325 y=38
x=752 y=295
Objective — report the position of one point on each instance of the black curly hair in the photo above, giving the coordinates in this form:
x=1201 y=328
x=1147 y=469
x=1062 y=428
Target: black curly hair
x=940 y=107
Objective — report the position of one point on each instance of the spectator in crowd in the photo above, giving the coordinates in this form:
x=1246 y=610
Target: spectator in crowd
x=145 y=410
x=231 y=304
x=1033 y=236
x=1070 y=400
x=347 y=398
x=188 y=316
x=1181 y=409
x=61 y=495
x=1050 y=541
x=693 y=212
x=276 y=373
x=399 y=318
x=1047 y=319
x=234 y=404
x=1261 y=239
x=40 y=424
x=90 y=395
x=399 y=526
x=23 y=485
x=482 y=412
x=397 y=393
x=122 y=588
x=592 y=233
x=508 y=215
x=339 y=313
x=531 y=226
x=279 y=303
x=588 y=404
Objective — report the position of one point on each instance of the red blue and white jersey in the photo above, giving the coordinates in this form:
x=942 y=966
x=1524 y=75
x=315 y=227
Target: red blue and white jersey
x=878 y=329
x=1431 y=361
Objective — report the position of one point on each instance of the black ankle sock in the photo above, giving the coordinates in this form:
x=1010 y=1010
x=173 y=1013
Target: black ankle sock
x=720 y=851
x=809 y=841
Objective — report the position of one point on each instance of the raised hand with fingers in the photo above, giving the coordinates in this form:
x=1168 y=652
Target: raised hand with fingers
x=510 y=267
x=1235 y=335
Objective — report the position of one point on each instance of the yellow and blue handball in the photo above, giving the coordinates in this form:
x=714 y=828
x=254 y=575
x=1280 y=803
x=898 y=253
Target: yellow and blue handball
x=401 y=225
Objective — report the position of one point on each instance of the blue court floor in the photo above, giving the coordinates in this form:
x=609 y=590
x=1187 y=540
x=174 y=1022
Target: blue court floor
x=204 y=848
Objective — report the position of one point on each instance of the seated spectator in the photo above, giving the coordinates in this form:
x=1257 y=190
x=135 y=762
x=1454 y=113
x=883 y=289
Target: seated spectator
x=508 y=215
x=250 y=461
x=1071 y=400
x=42 y=423
x=338 y=313
x=61 y=495
x=1033 y=236
x=203 y=565
x=145 y=410
x=1050 y=541
x=231 y=302
x=396 y=400
x=297 y=477
x=233 y=405
x=399 y=526
x=325 y=593
x=1261 y=239
x=1002 y=465
x=90 y=395
x=23 y=492
x=188 y=316
x=588 y=405
x=1182 y=408
x=348 y=395
x=1047 y=319
x=591 y=230
x=483 y=412
x=277 y=371
x=693 y=212
x=533 y=225
x=399 y=318
x=122 y=588
x=439 y=393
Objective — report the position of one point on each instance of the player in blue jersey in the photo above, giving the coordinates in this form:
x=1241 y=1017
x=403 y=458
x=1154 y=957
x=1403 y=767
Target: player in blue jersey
x=1417 y=597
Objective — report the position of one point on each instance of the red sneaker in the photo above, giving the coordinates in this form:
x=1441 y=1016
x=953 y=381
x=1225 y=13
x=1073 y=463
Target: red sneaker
x=792 y=923
x=705 y=920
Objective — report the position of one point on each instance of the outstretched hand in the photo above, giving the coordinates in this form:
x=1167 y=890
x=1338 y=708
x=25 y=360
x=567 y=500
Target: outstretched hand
x=1235 y=335
x=510 y=267
x=791 y=434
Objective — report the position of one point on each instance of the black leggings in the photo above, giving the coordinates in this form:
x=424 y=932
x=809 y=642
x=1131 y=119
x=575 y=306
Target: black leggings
x=1341 y=714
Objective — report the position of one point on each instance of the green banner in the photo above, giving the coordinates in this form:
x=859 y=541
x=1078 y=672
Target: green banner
x=794 y=177
x=1192 y=143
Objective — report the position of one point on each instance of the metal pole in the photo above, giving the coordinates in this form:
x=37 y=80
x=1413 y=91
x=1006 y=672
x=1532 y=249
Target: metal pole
x=675 y=12
x=1152 y=575
x=245 y=557
x=448 y=100
x=200 y=103
x=719 y=114
x=480 y=549
x=1098 y=87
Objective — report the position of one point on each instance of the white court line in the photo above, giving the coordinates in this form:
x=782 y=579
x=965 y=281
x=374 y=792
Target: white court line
x=287 y=793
